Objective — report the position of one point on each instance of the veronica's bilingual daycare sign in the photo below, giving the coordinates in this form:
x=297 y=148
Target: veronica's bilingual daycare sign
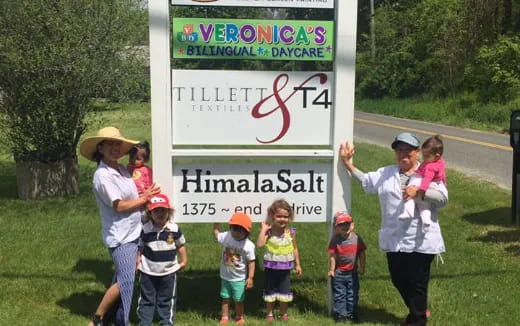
x=215 y=107
x=212 y=192
x=259 y=3
x=201 y=38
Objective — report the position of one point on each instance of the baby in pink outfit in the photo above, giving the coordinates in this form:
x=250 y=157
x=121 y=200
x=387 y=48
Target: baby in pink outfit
x=430 y=173
x=142 y=174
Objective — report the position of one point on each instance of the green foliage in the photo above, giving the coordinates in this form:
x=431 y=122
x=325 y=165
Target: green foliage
x=462 y=110
x=397 y=75
x=54 y=58
x=133 y=87
x=440 y=48
x=496 y=72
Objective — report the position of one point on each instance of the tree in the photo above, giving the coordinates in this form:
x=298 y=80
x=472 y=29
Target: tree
x=55 y=57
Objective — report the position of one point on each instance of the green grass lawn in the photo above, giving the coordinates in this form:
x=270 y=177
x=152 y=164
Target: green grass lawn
x=54 y=268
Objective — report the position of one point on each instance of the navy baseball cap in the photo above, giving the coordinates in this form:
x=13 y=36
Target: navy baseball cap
x=407 y=138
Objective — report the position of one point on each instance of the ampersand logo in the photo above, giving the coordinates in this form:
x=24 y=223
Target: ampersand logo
x=279 y=83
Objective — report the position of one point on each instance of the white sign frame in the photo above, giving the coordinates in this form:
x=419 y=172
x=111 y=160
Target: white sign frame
x=343 y=116
x=328 y=4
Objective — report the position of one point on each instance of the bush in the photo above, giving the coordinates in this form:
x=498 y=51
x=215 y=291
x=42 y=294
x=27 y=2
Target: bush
x=397 y=75
x=55 y=57
x=496 y=72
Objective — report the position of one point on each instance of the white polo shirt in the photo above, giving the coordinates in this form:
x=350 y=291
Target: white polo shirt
x=110 y=185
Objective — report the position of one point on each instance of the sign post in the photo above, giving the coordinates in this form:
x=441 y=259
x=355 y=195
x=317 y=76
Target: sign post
x=226 y=141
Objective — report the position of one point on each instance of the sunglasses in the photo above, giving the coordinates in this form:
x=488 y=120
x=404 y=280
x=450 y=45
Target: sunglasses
x=404 y=150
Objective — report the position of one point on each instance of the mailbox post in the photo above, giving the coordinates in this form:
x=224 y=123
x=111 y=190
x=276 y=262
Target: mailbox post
x=514 y=131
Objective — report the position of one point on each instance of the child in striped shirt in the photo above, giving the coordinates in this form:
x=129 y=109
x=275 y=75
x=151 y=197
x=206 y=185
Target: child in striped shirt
x=346 y=259
x=160 y=242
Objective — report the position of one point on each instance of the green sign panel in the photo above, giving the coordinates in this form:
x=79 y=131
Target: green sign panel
x=209 y=38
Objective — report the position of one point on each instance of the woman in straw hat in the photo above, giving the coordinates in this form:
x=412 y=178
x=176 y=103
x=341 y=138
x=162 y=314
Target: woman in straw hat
x=121 y=209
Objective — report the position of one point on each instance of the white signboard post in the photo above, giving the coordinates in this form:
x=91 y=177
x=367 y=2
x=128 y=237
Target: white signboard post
x=241 y=118
x=259 y=3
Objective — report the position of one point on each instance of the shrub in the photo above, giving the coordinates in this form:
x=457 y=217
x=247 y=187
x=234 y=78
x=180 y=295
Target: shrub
x=496 y=72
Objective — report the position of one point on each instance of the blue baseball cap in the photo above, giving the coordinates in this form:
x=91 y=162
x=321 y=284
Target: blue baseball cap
x=407 y=138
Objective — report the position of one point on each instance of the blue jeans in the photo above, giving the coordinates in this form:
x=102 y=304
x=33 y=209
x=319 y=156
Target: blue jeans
x=345 y=291
x=158 y=294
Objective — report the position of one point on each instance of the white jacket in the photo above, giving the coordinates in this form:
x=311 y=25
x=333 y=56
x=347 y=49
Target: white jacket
x=396 y=234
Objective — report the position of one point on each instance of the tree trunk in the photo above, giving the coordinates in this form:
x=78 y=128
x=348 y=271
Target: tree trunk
x=39 y=180
x=508 y=9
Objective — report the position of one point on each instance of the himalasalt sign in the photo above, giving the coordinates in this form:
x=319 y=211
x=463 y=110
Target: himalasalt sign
x=211 y=191
x=215 y=38
x=259 y=3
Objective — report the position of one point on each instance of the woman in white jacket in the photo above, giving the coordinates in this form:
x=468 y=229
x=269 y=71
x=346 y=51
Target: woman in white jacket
x=409 y=251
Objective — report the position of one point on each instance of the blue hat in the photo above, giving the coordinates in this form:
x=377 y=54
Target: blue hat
x=407 y=138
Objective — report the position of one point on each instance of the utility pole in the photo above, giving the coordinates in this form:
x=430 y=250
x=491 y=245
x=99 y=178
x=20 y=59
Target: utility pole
x=372 y=30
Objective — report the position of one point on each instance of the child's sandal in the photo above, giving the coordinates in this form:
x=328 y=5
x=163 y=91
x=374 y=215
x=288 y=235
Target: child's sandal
x=270 y=318
x=224 y=320
x=285 y=317
x=240 y=321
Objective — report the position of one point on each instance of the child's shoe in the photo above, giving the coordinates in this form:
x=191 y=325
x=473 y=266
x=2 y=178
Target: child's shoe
x=240 y=321
x=340 y=320
x=269 y=318
x=224 y=320
x=285 y=317
x=96 y=320
x=353 y=319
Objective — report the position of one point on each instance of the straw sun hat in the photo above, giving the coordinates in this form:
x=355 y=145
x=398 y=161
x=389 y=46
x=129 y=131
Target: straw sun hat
x=89 y=144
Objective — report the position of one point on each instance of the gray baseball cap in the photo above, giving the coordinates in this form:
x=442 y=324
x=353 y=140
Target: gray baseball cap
x=407 y=138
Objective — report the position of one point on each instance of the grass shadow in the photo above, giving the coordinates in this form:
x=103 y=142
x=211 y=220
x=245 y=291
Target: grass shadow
x=198 y=290
x=498 y=216
x=515 y=250
x=499 y=236
x=366 y=314
x=306 y=303
x=83 y=303
x=8 y=177
x=101 y=269
x=377 y=316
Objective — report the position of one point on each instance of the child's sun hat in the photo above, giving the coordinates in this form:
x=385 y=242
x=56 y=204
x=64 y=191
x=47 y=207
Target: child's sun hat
x=342 y=217
x=242 y=220
x=159 y=200
x=89 y=144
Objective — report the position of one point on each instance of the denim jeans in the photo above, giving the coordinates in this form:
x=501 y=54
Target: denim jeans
x=345 y=291
x=158 y=294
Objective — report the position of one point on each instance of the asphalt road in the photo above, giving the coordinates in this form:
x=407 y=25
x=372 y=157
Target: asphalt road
x=481 y=154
